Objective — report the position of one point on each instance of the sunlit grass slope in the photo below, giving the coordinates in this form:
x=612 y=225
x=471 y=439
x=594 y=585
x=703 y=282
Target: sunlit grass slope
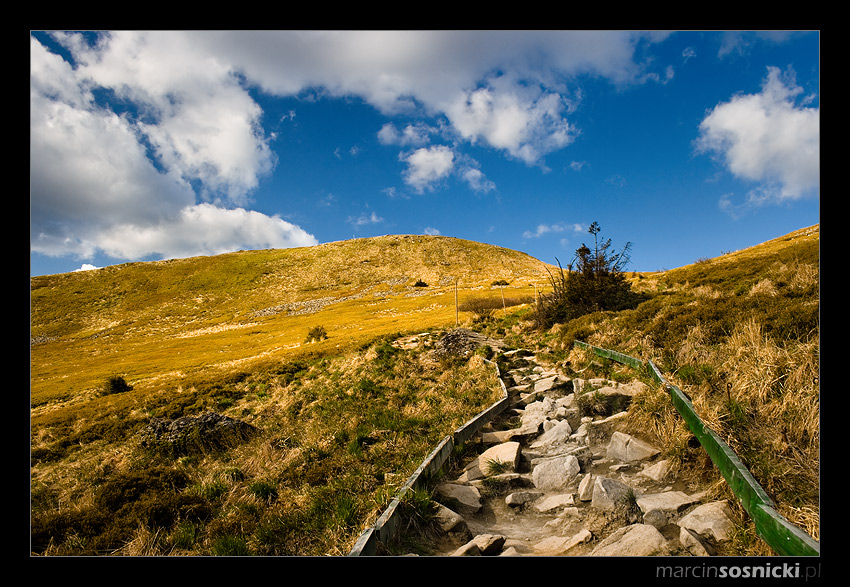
x=149 y=321
x=740 y=334
x=344 y=421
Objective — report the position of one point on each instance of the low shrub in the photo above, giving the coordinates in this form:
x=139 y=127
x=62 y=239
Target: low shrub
x=115 y=384
x=316 y=334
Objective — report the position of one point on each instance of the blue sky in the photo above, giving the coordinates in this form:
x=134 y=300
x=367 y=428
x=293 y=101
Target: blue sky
x=166 y=144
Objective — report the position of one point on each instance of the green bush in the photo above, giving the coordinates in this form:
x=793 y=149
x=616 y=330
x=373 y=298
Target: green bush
x=593 y=282
x=116 y=384
x=317 y=333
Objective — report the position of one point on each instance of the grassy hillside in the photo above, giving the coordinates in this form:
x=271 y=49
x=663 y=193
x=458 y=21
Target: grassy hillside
x=344 y=421
x=147 y=321
x=740 y=334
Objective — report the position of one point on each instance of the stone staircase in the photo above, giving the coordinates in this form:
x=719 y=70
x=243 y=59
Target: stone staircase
x=556 y=483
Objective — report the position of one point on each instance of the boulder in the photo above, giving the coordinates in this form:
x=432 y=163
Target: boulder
x=585 y=488
x=658 y=471
x=466 y=497
x=556 y=473
x=451 y=522
x=628 y=449
x=667 y=501
x=536 y=412
x=693 y=544
x=489 y=544
x=520 y=498
x=655 y=518
x=497 y=459
x=500 y=436
x=634 y=540
x=551 y=382
x=482 y=545
x=559 y=545
x=558 y=434
x=205 y=432
x=711 y=520
x=609 y=493
x=554 y=502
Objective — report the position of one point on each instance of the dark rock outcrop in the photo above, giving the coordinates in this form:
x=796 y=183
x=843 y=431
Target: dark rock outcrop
x=205 y=432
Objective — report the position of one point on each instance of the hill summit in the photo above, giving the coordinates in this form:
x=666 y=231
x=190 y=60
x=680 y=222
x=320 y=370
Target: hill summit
x=173 y=315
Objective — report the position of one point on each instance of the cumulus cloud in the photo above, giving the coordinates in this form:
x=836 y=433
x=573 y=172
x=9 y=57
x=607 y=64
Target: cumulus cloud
x=525 y=123
x=769 y=138
x=476 y=180
x=151 y=141
x=412 y=135
x=202 y=229
x=427 y=166
x=127 y=184
x=521 y=110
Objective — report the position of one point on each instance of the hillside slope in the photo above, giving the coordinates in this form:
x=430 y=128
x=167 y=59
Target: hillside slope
x=148 y=320
x=345 y=420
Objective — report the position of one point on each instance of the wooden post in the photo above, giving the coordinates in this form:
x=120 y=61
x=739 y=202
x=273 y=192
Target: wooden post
x=456 y=310
x=504 y=308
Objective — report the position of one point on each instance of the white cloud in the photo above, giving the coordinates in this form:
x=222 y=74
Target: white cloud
x=412 y=135
x=186 y=130
x=526 y=123
x=86 y=267
x=520 y=111
x=203 y=229
x=543 y=229
x=122 y=184
x=365 y=219
x=767 y=138
x=431 y=231
x=477 y=180
x=427 y=165
x=198 y=118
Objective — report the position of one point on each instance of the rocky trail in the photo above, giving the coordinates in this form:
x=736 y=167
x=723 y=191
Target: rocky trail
x=550 y=482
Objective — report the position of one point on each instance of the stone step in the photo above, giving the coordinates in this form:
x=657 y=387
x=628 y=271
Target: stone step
x=609 y=496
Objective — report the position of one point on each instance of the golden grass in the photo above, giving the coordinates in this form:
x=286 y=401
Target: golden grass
x=219 y=333
x=174 y=329
x=753 y=379
x=149 y=321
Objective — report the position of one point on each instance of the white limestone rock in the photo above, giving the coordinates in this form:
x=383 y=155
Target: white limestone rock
x=559 y=545
x=467 y=498
x=629 y=449
x=585 y=488
x=711 y=520
x=554 y=502
x=556 y=473
x=634 y=540
x=520 y=498
x=667 y=501
x=658 y=471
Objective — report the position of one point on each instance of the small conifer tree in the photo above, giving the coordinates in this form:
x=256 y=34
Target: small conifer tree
x=593 y=281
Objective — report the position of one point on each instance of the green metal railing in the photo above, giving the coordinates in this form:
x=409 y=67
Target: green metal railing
x=781 y=535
